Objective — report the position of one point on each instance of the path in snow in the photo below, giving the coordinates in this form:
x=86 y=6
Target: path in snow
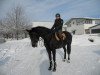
x=19 y=58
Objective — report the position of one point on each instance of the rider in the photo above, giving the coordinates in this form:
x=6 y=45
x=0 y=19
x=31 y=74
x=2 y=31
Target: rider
x=57 y=27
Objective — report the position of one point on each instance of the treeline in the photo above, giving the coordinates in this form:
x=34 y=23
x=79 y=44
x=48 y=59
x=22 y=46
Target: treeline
x=14 y=25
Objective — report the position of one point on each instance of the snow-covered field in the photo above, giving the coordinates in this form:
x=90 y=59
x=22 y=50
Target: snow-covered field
x=19 y=58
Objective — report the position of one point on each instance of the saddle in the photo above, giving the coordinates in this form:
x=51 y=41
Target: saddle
x=60 y=36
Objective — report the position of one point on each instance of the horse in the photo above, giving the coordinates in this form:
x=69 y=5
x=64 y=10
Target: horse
x=51 y=43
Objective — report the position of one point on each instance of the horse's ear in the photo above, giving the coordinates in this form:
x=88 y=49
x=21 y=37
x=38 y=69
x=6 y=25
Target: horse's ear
x=27 y=30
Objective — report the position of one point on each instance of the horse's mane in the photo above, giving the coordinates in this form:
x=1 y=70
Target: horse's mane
x=41 y=28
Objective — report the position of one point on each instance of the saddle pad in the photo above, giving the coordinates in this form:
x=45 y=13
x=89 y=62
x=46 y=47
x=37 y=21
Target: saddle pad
x=63 y=36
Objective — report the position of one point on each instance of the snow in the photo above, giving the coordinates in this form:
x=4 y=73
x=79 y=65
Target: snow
x=82 y=40
x=19 y=58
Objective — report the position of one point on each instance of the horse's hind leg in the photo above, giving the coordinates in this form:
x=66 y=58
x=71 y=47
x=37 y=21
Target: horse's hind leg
x=64 y=53
x=68 y=51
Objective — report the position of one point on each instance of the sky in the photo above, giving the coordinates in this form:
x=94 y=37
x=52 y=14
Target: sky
x=45 y=10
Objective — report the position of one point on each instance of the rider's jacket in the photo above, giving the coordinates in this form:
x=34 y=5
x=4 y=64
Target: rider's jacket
x=57 y=25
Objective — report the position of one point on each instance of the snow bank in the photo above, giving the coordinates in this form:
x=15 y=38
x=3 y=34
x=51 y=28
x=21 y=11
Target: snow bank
x=83 y=40
x=2 y=40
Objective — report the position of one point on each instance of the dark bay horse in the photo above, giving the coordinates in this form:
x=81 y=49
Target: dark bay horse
x=50 y=43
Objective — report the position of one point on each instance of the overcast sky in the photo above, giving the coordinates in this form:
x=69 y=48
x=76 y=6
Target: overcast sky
x=45 y=10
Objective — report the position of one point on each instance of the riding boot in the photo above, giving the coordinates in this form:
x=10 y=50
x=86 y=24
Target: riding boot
x=60 y=35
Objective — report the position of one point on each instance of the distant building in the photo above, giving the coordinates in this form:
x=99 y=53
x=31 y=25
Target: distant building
x=82 y=25
x=95 y=29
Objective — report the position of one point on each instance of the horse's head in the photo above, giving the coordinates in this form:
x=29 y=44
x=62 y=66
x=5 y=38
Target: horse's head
x=34 y=37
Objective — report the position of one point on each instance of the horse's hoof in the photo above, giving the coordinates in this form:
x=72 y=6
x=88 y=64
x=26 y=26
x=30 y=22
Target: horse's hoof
x=49 y=68
x=64 y=60
x=54 y=70
x=68 y=61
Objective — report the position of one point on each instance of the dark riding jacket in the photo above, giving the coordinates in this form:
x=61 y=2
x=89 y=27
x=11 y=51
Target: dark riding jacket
x=57 y=25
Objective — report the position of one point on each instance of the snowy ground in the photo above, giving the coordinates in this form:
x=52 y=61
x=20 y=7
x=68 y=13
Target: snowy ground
x=19 y=58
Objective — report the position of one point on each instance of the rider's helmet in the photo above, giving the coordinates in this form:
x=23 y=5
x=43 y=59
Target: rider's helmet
x=57 y=15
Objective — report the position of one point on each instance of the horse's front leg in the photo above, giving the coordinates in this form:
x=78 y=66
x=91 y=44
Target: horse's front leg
x=54 y=59
x=50 y=59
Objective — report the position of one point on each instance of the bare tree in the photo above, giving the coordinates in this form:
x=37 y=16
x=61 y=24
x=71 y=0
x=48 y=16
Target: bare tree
x=3 y=29
x=16 y=21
